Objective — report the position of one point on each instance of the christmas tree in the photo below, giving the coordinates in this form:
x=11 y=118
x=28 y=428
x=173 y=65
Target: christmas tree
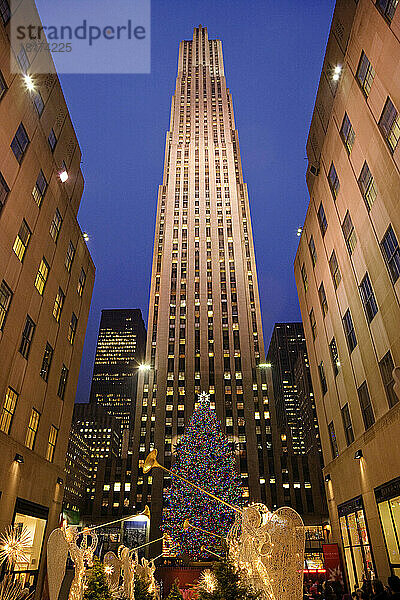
x=97 y=587
x=223 y=583
x=175 y=592
x=203 y=456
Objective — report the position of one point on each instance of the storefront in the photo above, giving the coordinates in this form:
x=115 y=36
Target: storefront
x=388 y=501
x=357 y=550
x=32 y=519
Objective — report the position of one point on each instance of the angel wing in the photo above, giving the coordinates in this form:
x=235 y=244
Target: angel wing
x=283 y=553
x=112 y=561
x=57 y=553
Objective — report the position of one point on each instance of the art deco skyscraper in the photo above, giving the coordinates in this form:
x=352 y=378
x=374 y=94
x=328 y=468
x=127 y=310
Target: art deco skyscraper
x=204 y=329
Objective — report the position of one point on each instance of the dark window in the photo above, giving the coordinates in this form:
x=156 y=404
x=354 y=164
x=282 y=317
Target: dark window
x=334 y=356
x=389 y=124
x=334 y=268
x=332 y=439
x=366 y=406
x=5 y=301
x=72 y=328
x=23 y=60
x=4 y=191
x=40 y=188
x=348 y=428
x=333 y=181
x=304 y=277
x=323 y=224
x=386 y=367
x=313 y=252
x=52 y=139
x=349 y=331
x=313 y=324
x=20 y=143
x=368 y=298
x=69 y=256
x=46 y=363
x=63 y=382
x=367 y=186
x=5 y=12
x=3 y=85
x=22 y=240
x=387 y=8
x=390 y=248
x=349 y=233
x=56 y=225
x=322 y=299
x=347 y=133
x=27 y=336
x=365 y=74
x=322 y=377
x=38 y=102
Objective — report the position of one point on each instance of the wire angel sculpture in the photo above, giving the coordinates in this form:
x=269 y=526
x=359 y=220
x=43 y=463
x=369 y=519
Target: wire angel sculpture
x=145 y=571
x=268 y=549
x=64 y=541
x=128 y=561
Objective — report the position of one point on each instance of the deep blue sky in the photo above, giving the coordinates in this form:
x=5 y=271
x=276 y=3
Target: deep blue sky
x=273 y=52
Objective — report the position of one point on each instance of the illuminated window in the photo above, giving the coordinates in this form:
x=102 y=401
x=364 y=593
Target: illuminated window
x=117 y=486
x=51 y=445
x=334 y=356
x=81 y=282
x=32 y=429
x=56 y=225
x=46 y=363
x=357 y=550
x=22 y=240
x=42 y=275
x=8 y=410
x=40 y=188
x=58 y=304
x=106 y=487
x=69 y=258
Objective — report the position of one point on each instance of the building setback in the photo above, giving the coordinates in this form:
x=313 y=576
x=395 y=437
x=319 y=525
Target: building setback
x=347 y=272
x=120 y=350
x=46 y=282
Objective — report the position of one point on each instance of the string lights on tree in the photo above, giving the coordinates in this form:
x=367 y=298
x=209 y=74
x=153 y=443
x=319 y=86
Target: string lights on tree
x=203 y=455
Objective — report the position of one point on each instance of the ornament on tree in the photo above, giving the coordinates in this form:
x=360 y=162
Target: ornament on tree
x=203 y=454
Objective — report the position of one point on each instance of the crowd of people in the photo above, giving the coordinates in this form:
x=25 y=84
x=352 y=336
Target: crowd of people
x=369 y=590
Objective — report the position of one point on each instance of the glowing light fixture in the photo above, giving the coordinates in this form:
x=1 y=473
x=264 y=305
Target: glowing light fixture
x=299 y=231
x=19 y=458
x=327 y=477
x=358 y=454
x=60 y=481
x=264 y=365
x=86 y=236
x=336 y=73
x=29 y=83
x=144 y=367
x=63 y=175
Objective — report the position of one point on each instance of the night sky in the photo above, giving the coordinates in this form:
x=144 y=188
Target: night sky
x=273 y=53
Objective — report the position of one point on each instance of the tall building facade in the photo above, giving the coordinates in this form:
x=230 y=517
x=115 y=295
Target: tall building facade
x=120 y=350
x=347 y=272
x=46 y=282
x=77 y=473
x=204 y=328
